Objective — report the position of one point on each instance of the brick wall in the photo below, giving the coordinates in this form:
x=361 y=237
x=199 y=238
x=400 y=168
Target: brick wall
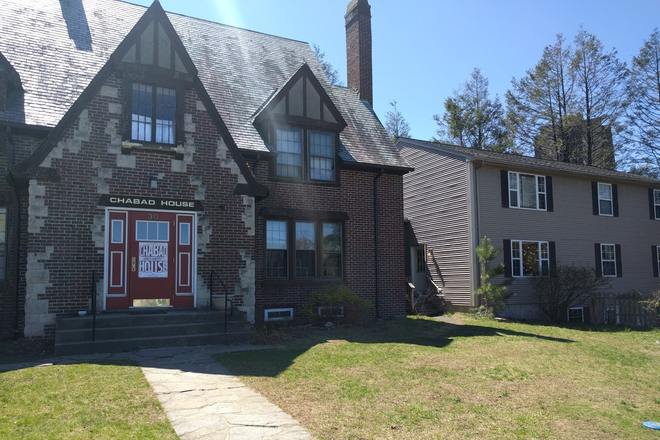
x=65 y=225
x=354 y=197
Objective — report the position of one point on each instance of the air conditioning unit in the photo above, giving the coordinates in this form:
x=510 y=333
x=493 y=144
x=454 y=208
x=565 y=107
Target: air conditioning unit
x=278 y=314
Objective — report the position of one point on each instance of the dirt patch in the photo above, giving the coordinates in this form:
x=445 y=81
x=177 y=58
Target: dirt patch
x=21 y=350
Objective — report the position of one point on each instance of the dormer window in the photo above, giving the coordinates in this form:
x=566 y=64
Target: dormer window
x=153 y=114
x=305 y=154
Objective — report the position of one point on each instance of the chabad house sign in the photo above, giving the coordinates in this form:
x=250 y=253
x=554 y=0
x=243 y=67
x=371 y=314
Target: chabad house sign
x=117 y=201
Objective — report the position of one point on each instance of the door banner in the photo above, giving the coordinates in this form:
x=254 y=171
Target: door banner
x=153 y=260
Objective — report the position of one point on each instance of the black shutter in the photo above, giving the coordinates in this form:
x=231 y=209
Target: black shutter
x=504 y=183
x=617 y=249
x=594 y=197
x=553 y=259
x=599 y=267
x=651 y=204
x=548 y=193
x=507 y=258
x=586 y=316
x=654 y=252
x=615 y=200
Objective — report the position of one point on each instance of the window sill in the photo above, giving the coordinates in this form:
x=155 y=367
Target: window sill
x=273 y=282
x=127 y=147
x=304 y=182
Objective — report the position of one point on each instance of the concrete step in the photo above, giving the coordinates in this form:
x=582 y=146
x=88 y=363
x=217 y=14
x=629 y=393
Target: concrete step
x=118 y=345
x=113 y=319
x=149 y=331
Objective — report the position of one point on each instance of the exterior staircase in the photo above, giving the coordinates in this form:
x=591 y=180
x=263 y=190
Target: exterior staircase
x=117 y=332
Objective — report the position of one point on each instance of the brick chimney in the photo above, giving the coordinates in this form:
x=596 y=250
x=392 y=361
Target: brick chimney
x=358 y=48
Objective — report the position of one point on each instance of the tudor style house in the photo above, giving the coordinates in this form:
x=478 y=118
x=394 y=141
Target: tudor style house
x=539 y=212
x=144 y=149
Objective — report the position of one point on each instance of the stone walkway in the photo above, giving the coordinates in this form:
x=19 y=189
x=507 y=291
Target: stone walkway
x=201 y=399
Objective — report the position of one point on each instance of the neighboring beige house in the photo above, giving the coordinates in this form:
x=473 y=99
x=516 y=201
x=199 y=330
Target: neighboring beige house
x=540 y=212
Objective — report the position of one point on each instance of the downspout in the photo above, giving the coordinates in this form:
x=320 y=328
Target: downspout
x=16 y=212
x=380 y=173
x=477 y=221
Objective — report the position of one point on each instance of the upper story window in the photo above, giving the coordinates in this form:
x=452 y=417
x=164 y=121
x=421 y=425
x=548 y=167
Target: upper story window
x=656 y=204
x=605 y=199
x=305 y=154
x=526 y=191
x=3 y=242
x=153 y=114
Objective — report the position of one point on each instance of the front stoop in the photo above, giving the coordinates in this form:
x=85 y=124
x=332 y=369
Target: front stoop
x=117 y=332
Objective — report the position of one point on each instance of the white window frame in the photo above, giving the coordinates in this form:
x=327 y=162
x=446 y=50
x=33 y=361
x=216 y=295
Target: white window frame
x=605 y=200
x=568 y=313
x=603 y=260
x=267 y=313
x=514 y=185
x=518 y=244
x=657 y=258
x=656 y=203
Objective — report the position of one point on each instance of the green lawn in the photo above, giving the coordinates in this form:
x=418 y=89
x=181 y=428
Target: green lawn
x=83 y=401
x=424 y=379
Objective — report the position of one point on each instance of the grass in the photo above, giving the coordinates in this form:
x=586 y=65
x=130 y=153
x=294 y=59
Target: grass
x=82 y=401
x=421 y=378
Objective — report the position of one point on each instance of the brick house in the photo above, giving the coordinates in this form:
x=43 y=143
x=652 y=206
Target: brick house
x=539 y=212
x=150 y=148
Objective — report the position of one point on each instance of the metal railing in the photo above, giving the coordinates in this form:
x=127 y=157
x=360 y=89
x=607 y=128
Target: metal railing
x=93 y=305
x=229 y=304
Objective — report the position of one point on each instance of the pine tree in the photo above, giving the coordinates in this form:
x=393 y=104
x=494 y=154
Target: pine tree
x=395 y=123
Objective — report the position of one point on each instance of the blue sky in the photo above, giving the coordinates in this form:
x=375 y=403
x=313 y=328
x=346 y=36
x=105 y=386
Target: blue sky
x=423 y=50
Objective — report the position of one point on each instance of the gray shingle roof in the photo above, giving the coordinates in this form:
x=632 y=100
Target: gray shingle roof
x=58 y=47
x=528 y=162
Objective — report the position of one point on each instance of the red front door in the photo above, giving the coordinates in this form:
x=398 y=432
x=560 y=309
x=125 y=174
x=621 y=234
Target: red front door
x=150 y=259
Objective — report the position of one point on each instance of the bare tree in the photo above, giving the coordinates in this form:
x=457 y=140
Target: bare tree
x=643 y=111
x=328 y=69
x=540 y=103
x=599 y=79
x=395 y=124
x=472 y=119
x=566 y=287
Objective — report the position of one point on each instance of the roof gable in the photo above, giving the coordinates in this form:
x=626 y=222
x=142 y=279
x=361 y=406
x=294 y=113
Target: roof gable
x=154 y=18
x=302 y=99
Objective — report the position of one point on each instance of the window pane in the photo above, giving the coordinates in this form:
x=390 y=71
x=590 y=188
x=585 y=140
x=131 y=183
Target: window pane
x=117 y=231
x=528 y=191
x=184 y=234
x=289 y=157
x=305 y=250
x=322 y=169
x=141 y=233
x=141 y=104
x=322 y=144
x=152 y=231
x=513 y=181
x=656 y=194
x=609 y=268
x=165 y=115
x=276 y=234
x=608 y=252
x=163 y=231
x=605 y=191
x=332 y=250
x=530 y=251
x=605 y=207
x=276 y=249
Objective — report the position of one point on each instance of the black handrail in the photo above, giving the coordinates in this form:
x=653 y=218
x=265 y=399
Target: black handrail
x=93 y=305
x=228 y=310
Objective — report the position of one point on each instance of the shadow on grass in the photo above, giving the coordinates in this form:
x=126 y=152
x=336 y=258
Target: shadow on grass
x=427 y=333
x=421 y=332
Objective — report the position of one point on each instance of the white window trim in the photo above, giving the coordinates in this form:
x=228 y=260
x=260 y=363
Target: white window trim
x=602 y=260
x=518 y=192
x=655 y=205
x=611 y=214
x=657 y=261
x=267 y=313
x=568 y=313
x=541 y=259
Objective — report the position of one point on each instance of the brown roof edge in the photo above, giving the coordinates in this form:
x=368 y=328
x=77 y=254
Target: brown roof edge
x=530 y=162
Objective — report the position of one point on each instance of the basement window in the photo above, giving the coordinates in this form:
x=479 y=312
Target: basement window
x=576 y=314
x=285 y=314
